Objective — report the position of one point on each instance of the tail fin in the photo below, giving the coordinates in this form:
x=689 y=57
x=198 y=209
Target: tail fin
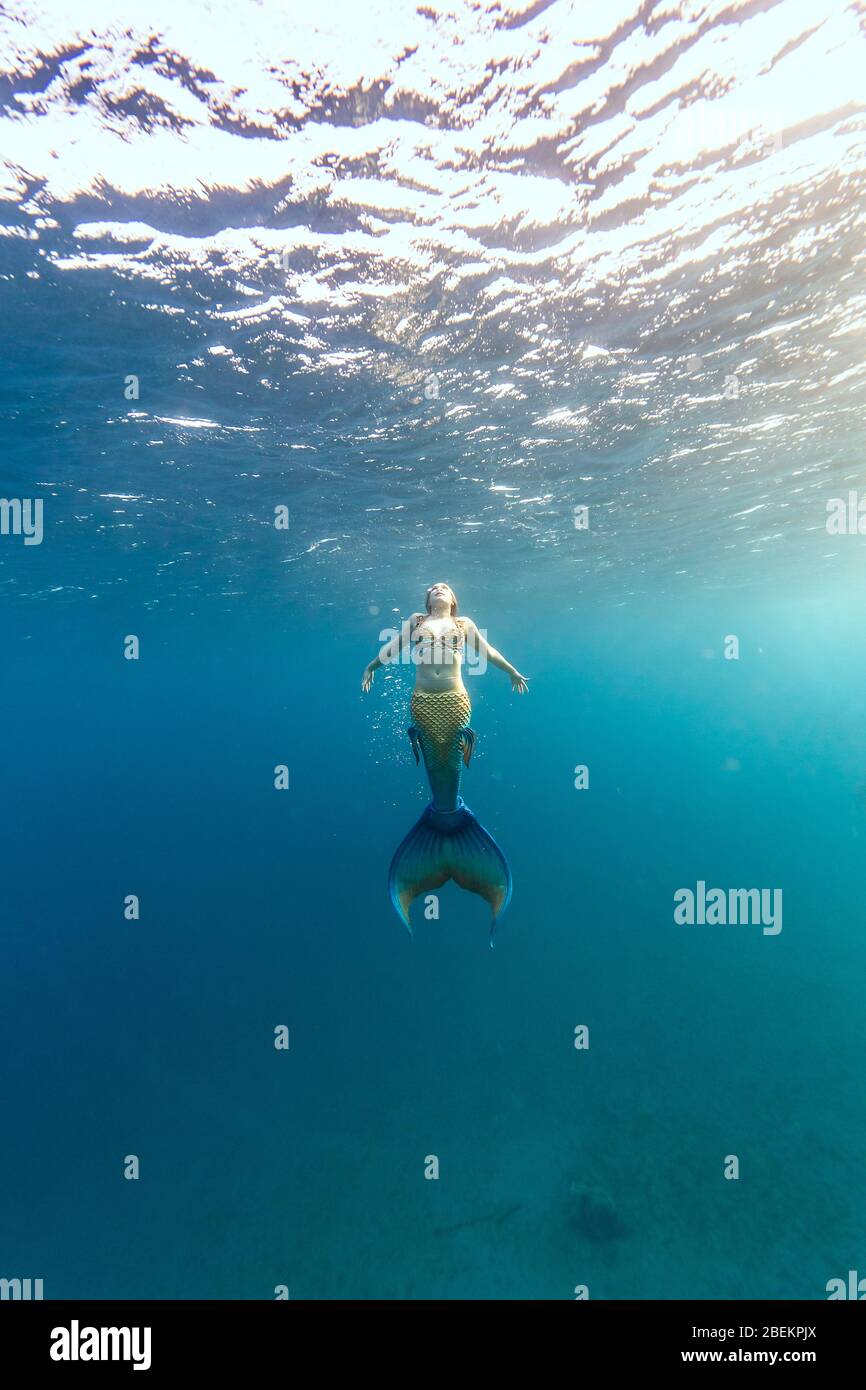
x=449 y=844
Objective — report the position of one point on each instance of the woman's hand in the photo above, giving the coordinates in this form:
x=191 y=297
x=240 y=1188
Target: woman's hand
x=367 y=678
x=519 y=683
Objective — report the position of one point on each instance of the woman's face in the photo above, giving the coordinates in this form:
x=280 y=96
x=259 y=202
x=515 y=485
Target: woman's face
x=440 y=594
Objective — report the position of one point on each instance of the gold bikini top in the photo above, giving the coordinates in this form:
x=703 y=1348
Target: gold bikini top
x=453 y=641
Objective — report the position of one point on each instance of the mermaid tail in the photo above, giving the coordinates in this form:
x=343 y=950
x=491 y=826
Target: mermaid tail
x=449 y=844
x=447 y=841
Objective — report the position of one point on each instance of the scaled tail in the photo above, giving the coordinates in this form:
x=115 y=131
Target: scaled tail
x=449 y=844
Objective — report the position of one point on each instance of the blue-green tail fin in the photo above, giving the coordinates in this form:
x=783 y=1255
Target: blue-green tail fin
x=444 y=845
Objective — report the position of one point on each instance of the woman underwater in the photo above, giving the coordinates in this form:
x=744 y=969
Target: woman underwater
x=447 y=841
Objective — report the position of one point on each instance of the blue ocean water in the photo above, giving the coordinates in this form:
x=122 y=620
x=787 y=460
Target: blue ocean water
x=433 y=303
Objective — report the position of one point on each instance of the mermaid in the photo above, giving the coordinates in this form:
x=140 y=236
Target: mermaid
x=447 y=842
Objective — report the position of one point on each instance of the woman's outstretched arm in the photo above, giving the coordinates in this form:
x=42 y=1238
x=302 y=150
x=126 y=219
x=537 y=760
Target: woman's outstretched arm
x=389 y=652
x=479 y=643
